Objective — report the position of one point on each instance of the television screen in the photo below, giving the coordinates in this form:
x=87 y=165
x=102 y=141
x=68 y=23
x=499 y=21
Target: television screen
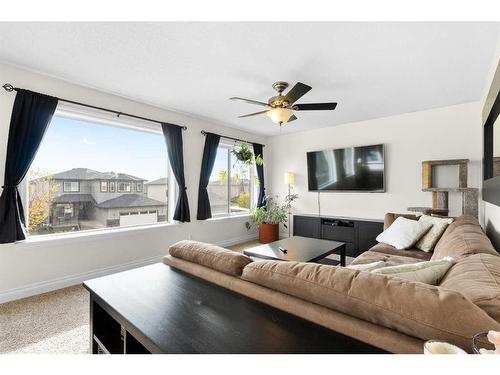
x=347 y=169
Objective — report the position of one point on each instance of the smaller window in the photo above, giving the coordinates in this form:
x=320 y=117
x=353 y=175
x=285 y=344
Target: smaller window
x=71 y=186
x=104 y=186
x=152 y=212
x=124 y=187
x=134 y=213
x=143 y=212
x=112 y=186
x=139 y=187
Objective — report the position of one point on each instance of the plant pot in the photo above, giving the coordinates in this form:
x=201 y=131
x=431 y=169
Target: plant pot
x=268 y=233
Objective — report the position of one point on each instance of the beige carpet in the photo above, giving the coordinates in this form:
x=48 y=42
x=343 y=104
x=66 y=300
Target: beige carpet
x=55 y=322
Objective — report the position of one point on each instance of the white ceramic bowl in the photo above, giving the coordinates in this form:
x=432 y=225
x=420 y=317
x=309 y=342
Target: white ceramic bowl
x=441 y=347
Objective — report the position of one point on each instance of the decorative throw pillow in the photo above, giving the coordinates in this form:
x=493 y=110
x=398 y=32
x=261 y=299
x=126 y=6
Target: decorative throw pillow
x=403 y=233
x=367 y=266
x=430 y=272
x=429 y=240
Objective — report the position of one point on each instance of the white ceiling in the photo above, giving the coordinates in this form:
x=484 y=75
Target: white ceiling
x=371 y=69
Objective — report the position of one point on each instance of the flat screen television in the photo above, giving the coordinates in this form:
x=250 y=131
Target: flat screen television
x=347 y=169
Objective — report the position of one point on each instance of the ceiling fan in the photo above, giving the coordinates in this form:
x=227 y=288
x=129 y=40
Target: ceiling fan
x=280 y=108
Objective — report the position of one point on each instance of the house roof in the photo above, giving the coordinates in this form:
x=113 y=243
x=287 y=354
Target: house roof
x=74 y=198
x=160 y=181
x=90 y=174
x=130 y=200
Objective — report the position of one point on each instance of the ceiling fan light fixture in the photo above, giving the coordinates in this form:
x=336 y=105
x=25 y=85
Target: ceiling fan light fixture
x=280 y=115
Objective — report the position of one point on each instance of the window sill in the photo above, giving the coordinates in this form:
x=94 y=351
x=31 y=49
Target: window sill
x=228 y=217
x=92 y=234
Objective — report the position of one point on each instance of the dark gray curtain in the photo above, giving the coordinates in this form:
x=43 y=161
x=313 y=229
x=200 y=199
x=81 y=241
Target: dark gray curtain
x=31 y=114
x=258 y=150
x=207 y=164
x=173 y=138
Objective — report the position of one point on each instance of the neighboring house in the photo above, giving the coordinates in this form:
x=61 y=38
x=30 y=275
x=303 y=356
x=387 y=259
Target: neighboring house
x=83 y=198
x=157 y=189
x=218 y=193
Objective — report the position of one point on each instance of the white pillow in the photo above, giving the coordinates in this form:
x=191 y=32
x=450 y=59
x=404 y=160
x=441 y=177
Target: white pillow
x=367 y=266
x=403 y=233
x=430 y=272
x=429 y=240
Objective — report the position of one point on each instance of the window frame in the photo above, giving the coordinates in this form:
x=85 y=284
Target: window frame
x=106 y=183
x=124 y=191
x=137 y=184
x=94 y=116
x=71 y=188
x=229 y=146
x=112 y=187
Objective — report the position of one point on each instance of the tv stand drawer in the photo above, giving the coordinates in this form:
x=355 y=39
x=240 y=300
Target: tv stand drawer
x=338 y=233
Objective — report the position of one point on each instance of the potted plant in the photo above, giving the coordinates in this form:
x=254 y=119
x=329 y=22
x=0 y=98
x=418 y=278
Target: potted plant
x=270 y=216
x=245 y=156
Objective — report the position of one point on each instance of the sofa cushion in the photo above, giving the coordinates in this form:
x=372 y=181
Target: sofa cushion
x=404 y=233
x=210 y=256
x=477 y=277
x=429 y=240
x=410 y=253
x=388 y=259
x=429 y=272
x=416 y=309
x=390 y=217
x=367 y=266
x=462 y=238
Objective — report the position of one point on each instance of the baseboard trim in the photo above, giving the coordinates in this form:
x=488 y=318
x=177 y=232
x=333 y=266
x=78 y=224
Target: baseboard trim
x=66 y=281
x=238 y=240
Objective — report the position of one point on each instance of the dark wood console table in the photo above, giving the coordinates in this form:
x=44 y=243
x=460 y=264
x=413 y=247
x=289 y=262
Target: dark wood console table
x=156 y=309
x=358 y=234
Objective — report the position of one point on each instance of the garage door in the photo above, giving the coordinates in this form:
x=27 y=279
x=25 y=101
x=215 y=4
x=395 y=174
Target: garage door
x=137 y=218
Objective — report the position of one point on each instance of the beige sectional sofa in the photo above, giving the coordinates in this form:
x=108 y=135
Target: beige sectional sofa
x=386 y=312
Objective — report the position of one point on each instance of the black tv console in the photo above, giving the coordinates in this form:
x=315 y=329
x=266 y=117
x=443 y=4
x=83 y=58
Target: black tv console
x=358 y=234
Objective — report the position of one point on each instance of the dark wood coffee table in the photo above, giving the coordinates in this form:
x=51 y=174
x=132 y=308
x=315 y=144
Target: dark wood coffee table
x=300 y=249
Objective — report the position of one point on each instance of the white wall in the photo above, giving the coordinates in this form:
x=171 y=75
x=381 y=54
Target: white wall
x=443 y=133
x=40 y=265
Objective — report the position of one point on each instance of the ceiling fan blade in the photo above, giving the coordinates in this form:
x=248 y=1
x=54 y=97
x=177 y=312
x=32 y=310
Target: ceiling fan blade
x=250 y=101
x=315 y=107
x=253 y=114
x=297 y=92
x=292 y=117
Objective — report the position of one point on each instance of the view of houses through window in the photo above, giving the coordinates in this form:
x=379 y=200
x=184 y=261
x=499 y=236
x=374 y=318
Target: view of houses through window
x=232 y=185
x=82 y=179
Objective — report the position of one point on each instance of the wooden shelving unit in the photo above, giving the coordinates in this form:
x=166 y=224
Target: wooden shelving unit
x=440 y=195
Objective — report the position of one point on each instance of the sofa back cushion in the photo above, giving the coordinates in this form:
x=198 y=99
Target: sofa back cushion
x=416 y=309
x=390 y=217
x=211 y=256
x=462 y=238
x=477 y=277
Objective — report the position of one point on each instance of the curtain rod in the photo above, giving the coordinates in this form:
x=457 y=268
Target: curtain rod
x=8 y=87
x=234 y=139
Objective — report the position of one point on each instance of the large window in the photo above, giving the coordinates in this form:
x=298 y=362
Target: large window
x=231 y=188
x=81 y=179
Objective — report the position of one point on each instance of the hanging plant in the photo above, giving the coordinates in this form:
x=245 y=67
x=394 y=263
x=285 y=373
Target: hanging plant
x=245 y=156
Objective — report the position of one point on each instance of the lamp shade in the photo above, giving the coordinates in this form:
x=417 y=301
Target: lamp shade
x=289 y=178
x=280 y=115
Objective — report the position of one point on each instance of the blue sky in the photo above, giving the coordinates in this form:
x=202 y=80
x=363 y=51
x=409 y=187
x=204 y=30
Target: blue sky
x=72 y=143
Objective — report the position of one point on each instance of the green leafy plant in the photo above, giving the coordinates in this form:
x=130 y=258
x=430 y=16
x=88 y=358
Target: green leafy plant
x=272 y=212
x=222 y=177
x=245 y=156
x=244 y=199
